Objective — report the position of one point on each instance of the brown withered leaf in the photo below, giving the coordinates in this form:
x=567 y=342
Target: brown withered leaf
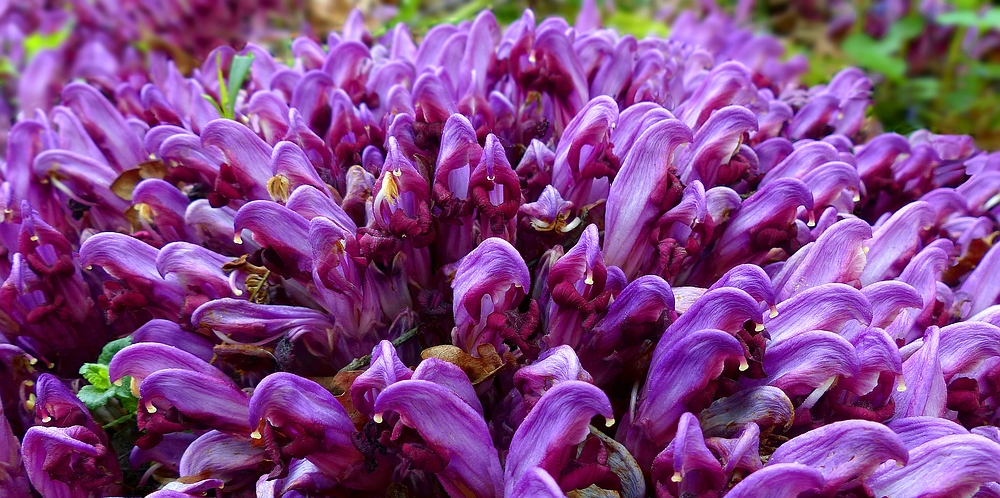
x=968 y=262
x=126 y=182
x=478 y=369
x=340 y=386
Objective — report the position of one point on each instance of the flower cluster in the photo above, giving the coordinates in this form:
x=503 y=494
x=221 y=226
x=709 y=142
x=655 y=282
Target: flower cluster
x=389 y=268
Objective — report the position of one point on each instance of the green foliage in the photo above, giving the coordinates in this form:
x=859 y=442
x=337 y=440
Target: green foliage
x=101 y=390
x=239 y=69
x=37 y=42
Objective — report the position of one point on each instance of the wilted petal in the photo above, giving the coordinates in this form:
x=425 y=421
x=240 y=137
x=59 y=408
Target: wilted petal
x=452 y=430
x=954 y=466
x=778 y=481
x=761 y=406
x=550 y=433
x=843 y=451
x=741 y=452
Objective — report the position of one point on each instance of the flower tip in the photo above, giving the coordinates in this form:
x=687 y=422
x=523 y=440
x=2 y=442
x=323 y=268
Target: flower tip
x=902 y=385
x=255 y=435
x=238 y=238
x=759 y=327
x=676 y=477
x=609 y=421
x=150 y=408
x=30 y=402
x=46 y=419
x=377 y=418
x=743 y=364
x=774 y=311
x=117 y=382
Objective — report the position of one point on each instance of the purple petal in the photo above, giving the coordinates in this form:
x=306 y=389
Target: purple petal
x=824 y=307
x=915 y=431
x=449 y=375
x=202 y=399
x=248 y=156
x=451 y=429
x=554 y=366
x=948 y=466
x=925 y=391
x=635 y=199
x=550 y=433
x=843 y=451
x=385 y=370
x=491 y=279
x=303 y=420
x=778 y=481
x=690 y=362
x=217 y=455
x=691 y=467
x=839 y=255
x=896 y=241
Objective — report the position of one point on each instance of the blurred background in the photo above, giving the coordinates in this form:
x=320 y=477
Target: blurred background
x=935 y=63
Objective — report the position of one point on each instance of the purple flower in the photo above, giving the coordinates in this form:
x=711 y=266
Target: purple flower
x=456 y=444
x=489 y=282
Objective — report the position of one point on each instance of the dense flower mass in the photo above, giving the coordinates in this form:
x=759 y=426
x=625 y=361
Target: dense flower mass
x=525 y=261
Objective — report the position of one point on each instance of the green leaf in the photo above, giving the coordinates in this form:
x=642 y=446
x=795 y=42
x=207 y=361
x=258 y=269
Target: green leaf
x=97 y=375
x=93 y=397
x=112 y=348
x=870 y=55
x=970 y=18
x=38 y=41
x=635 y=24
x=238 y=71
